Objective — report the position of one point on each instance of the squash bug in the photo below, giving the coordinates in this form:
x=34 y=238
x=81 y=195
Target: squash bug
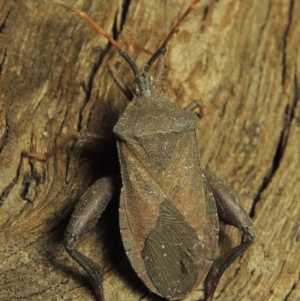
x=169 y=206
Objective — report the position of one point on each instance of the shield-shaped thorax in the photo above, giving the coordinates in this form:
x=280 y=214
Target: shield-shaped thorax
x=166 y=206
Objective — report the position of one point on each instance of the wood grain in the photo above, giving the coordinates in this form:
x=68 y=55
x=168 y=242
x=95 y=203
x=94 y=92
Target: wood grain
x=241 y=58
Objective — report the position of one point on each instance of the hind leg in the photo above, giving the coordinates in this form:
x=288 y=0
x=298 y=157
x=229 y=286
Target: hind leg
x=230 y=212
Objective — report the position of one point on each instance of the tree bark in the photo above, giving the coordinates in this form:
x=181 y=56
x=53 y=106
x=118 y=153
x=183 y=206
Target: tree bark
x=241 y=58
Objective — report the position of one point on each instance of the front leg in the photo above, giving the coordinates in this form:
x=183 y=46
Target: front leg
x=82 y=137
x=230 y=212
x=86 y=214
x=118 y=80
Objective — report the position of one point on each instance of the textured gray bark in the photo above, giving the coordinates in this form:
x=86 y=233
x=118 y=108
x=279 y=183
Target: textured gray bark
x=241 y=58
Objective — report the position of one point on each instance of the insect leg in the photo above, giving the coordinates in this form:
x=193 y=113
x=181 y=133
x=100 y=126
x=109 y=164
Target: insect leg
x=82 y=137
x=86 y=214
x=196 y=107
x=230 y=212
x=117 y=79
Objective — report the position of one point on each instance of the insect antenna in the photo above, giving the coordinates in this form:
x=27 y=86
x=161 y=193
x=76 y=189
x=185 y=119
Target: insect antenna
x=162 y=49
x=90 y=21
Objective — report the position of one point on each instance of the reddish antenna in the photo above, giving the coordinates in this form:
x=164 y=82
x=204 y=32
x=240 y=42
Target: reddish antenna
x=160 y=51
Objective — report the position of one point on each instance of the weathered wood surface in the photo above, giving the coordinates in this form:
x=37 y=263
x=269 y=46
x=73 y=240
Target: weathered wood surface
x=241 y=58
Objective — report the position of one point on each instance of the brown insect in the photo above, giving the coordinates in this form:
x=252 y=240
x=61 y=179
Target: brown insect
x=169 y=206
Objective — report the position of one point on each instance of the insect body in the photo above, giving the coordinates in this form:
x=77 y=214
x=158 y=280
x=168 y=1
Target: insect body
x=170 y=207
x=166 y=214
